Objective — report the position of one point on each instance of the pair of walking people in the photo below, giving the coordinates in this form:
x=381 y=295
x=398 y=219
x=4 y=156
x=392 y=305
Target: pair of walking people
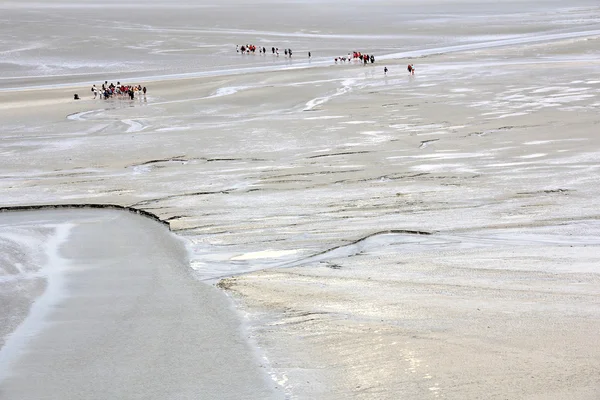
x=410 y=68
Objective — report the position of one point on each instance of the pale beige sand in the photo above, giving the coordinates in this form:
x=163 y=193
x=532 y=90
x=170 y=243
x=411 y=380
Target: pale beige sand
x=297 y=162
x=449 y=322
x=496 y=321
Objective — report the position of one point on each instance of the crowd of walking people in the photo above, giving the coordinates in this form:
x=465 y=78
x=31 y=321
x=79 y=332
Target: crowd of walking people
x=251 y=49
x=119 y=90
x=351 y=57
x=357 y=55
x=123 y=91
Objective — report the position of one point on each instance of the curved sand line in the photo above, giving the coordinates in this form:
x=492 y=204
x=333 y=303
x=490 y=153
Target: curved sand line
x=86 y=205
x=314 y=103
x=526 y=39
x=220 y=92
x=345 y=250
x=134 y=126
x=501 y=236
x=79 y=116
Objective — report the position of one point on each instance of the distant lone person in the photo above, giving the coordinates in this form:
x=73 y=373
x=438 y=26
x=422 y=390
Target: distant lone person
x=411 y=69
x=144 y=90
x=385 y=70
x=309 y=54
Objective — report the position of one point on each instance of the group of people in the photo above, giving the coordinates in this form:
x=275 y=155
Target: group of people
x=353 y=56
x=120 y=90
x=357 y=55
x=110 y=90
x=247 y=49
x=250 y=48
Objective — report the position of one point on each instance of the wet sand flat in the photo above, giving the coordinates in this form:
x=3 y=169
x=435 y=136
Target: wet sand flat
x=505 y=313
x=122 y=317
x=423 y=236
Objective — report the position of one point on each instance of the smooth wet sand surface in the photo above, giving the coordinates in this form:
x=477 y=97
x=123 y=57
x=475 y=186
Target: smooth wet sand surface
x=508 y=315
x=124 y=318
x=491 y=147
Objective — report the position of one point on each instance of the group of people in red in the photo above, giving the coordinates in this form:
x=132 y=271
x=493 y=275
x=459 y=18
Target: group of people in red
x=250 y=48
x=118 y=90
x=365 y=58
x=357 y=55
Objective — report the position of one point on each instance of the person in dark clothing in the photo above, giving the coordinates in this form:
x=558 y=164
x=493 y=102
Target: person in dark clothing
x=273 y=50
x=372 y=59
x=385 y=70
x=309 y=54
x=285 y=52
x=144 y=90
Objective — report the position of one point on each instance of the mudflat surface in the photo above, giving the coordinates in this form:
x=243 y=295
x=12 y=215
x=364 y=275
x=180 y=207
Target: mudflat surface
x=123 y=318
x=267 y=165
